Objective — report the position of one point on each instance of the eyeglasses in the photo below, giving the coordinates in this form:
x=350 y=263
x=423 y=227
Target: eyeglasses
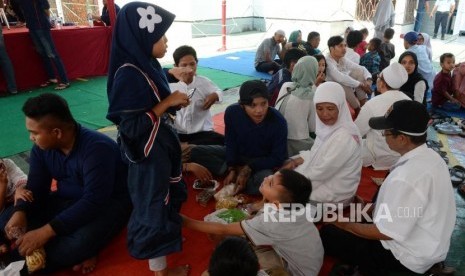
x=191 y=93
x=390 y=133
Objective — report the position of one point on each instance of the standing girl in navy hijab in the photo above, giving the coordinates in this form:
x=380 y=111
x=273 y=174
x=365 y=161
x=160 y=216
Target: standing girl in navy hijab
x=142 y=107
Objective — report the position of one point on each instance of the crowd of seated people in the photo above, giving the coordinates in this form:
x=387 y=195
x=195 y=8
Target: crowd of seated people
x=304 y=149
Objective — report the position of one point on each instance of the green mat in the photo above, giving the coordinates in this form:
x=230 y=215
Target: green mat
x=223 y=79
x=87 y=100
x=88 y=103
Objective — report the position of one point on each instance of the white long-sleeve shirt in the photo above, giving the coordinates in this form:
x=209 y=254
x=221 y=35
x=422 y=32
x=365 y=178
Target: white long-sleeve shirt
x=375 y=151
x=339 y=71
x=193 y=118
x=299 y=114
x=16 y=178
x=336 y=169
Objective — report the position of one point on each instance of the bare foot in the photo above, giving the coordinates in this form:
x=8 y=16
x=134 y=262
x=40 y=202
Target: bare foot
x=86 y=266
x=182 y=270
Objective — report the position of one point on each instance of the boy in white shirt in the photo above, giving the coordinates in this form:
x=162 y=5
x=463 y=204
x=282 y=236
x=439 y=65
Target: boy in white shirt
x=194 y=123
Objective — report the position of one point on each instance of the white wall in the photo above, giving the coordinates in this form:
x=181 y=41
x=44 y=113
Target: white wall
x=319 y=10
x=460 y=19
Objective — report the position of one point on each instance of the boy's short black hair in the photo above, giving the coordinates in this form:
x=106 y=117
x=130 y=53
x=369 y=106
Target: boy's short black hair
x=335 y=40
x=312 y=35
x=376 y=42
x=298 y=187
x=354 y=38
x=443 y=57
x=233 y=256
x=364 y=31
x=389 y=33
x=292 y=55
x=183 y=51
x=48 y=104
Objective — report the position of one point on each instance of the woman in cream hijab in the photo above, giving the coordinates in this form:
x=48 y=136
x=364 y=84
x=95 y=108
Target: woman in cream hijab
x=295 y=102
x=334 y=163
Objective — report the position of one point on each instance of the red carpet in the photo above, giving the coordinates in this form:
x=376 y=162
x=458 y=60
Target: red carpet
x=115 y=259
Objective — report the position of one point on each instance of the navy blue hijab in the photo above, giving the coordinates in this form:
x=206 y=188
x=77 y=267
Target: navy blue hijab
x=138 y=26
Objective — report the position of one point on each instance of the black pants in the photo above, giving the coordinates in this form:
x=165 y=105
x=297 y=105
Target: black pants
x=441 y=18
x=203 y=138
x=369 y=255
x=266 y=67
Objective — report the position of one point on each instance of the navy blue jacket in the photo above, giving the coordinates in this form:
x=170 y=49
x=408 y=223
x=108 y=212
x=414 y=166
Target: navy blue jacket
x=91 y=174
x=261 y=146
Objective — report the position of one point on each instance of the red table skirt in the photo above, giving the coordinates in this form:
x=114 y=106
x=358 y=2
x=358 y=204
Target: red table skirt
x=85 y=52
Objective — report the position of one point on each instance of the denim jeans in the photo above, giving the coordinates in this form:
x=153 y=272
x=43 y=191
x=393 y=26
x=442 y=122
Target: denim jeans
x=7 y=67
x=419 y=21
x=43 y=42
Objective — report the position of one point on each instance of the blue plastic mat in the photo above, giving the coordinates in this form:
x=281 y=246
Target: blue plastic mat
x=452 y=112
x=239 y=63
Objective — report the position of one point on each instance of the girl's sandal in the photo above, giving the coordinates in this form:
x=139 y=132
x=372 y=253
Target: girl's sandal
x=48 y=83
x=62 y=86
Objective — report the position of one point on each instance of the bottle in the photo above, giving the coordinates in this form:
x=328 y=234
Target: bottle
x=53 y=21
x=59 y=23
x=89 y=18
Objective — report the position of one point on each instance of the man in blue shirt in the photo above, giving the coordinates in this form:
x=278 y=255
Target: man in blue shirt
x=36 y=14
x=91 y=203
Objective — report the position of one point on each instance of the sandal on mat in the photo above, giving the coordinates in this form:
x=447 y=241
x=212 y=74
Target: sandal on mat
x=48 y=83
x=457 y=175
x=435 y=144
x=62 y=86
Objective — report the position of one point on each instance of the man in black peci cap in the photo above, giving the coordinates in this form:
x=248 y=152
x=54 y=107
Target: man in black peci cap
x=414 y=214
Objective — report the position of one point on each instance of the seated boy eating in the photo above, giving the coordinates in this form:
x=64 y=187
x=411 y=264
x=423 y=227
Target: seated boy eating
x=296 y=241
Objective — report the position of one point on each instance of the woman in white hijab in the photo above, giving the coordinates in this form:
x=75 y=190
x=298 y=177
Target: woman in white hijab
x=425 y=39
x=384 y=17
x=334 y=163
x=295 y=102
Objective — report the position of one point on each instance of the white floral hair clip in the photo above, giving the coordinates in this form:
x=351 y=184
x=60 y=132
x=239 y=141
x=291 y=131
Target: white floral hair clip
x=148 y=18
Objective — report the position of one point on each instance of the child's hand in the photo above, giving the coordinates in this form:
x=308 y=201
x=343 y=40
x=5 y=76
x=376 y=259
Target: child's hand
x=210 y=100
x=200 y=172
x=24 y=194
x=320 y=78
x=180 y=73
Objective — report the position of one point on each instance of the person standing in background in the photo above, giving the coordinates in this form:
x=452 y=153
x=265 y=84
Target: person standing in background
x=384 y=17
x=37 y=16
x=422 y=8
x=7 y=67
x=444 y=10
x=105 y=17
